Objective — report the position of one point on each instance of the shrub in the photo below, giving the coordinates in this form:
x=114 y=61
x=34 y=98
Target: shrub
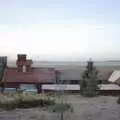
x=8 y=103
x=61 y=107
x=89 y=93
x=11 y=101
x=29 y=100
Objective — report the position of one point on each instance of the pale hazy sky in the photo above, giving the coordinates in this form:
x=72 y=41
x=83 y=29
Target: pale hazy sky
x=60 y=29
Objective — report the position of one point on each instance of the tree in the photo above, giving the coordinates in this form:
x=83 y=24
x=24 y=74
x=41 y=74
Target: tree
x=2 y=68
x=89 y=80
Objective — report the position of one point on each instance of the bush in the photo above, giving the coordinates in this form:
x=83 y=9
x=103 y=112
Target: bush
x=30 y=100
x=89 y=94
x=8 y=103
x=34 y=103
x=61 y=107
x=12 y=101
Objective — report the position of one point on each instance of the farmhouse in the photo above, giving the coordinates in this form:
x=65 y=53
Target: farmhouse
x=24 y=76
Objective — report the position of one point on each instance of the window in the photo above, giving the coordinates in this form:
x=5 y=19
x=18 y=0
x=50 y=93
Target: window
x=27 y=86
x=74 y=81
x=9 y=90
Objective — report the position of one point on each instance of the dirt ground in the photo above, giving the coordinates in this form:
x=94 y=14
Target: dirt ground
x=97 y=108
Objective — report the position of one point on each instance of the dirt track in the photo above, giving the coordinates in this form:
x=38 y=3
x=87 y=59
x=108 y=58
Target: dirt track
x=97 y=108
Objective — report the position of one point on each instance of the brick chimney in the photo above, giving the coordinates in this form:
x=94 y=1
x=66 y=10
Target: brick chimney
x=21 y=59
x=29 y=63
x=23 y=64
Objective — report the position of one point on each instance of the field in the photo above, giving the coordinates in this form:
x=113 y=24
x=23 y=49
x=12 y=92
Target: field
x=97 y=108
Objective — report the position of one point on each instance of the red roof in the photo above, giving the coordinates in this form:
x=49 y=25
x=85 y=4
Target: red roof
x=38 y=75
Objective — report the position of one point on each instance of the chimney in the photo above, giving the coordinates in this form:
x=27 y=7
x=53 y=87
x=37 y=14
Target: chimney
x=28 y=65
x=21 y=59
x=23 y=64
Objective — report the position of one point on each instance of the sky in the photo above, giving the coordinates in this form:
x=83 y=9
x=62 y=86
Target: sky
x=60 y=29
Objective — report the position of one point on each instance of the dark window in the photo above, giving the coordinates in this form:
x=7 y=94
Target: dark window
x=74 y=82
x=58 y=77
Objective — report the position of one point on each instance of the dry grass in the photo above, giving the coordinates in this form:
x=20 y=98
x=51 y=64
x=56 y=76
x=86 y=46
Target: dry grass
x=96 y=108
x=18 y=100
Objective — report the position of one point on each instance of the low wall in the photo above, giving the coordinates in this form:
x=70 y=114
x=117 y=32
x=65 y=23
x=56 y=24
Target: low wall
x=56 y=87
x=109 y=92
x=108 y=89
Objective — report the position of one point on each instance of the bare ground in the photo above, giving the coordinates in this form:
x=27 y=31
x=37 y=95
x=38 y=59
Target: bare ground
x=97 y=108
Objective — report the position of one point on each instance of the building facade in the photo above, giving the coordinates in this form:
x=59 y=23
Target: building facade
x=24 y=76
